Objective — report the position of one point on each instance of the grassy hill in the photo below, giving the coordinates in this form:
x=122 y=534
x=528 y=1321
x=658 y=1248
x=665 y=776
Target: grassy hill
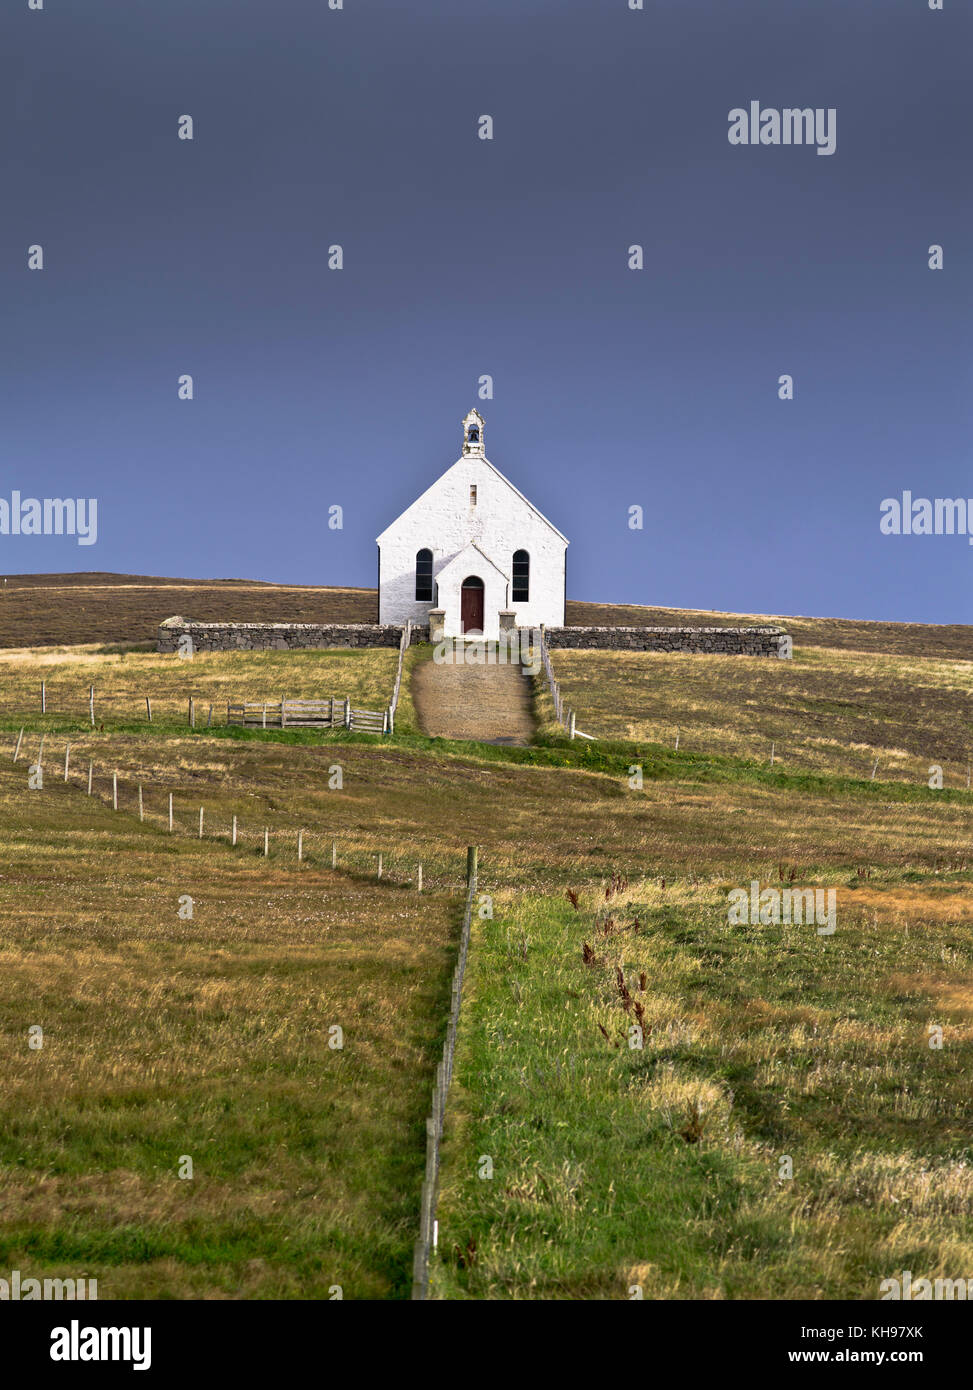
x=209 y=1037
x=850 y=634
x=783 y=1131
x=124 y=676
x=660 y=1167
x=52 y=609
x=828 y=709
x=49 y=609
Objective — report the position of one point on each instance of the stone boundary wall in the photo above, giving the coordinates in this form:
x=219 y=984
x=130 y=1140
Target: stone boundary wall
x=228 y=637
x=723 y=641
x=250 y=637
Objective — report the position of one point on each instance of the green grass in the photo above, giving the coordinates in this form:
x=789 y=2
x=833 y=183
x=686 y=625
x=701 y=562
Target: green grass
x=827 y=710
x=550 y=750
x=210 y=1037
x=780 y=1041
x=124 y=676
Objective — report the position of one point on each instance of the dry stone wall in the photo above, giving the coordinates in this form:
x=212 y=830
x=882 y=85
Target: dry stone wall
x=250 y=637
x=725 y=641
x=228 y=637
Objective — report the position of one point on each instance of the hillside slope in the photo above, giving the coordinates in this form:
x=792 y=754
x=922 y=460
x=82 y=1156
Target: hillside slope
x=51 y=609
x=208 y=1036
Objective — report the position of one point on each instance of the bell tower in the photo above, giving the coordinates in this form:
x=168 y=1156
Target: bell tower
x=473 y=435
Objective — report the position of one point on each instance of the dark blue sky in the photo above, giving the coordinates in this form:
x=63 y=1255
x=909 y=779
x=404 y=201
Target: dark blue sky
x=509 y=257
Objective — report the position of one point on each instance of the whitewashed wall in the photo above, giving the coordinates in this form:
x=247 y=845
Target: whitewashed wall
x=500 y=523
x=495 y=592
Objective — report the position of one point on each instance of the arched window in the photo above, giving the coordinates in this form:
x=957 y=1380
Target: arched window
x=424 y=576
x=474 y=435
x=521 y=577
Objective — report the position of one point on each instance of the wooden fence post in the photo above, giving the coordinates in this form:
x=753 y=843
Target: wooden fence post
x=91 y=704
x=209 y=717
x=300 y=845
x=233 y=841
x=419 y=880
x=283 y=713
x=266 y=842
x=170 y=810
x=148 y=708
x=379 y=866
x=874 y=770
x=114 y=791
x=200 y=822
x=347 y=713
x=21 y=735
x=571 y=725
x=67 y=755
x=334 y=854
x=91 y=768
x=43 y=697
x=141 y=812
x=773 y=747
x=470 y=863
x=192 y=713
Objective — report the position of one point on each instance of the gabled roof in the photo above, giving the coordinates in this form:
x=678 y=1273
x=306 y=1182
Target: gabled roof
x=463 y=558
x=536 y=510
x=493 y=469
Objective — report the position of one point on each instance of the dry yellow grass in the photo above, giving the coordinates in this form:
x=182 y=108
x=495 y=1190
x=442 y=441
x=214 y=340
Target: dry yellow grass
x=124 y=677
x=826 y=710
x=209 y=1036
x=785 y=1131
x=40 y=609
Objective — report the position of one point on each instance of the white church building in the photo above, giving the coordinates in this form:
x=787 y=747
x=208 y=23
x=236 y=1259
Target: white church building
x=472 y=555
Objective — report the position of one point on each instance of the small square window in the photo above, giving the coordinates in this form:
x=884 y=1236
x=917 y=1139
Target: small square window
x=473 y=495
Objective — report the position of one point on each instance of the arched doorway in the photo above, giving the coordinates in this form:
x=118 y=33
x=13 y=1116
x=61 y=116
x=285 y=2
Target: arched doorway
x=471 y=604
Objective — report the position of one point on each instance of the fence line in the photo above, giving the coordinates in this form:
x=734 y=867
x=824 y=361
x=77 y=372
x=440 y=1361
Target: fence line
x=206 y=826
x=340 y=713
x=565 y=717
x=404 y=643
x=434 y=1124
x=279 y=713
x=917 y=770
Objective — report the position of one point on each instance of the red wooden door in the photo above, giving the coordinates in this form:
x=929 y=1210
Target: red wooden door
x=471 y=604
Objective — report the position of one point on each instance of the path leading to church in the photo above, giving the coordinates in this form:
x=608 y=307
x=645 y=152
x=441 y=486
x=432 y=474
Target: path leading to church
x=487 y=703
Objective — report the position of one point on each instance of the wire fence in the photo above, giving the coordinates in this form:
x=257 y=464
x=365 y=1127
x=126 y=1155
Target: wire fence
x=936 y=772
x=202 y=708
x=428 y=1226
x=159 y=805
x=564 y=716
x=394 y=702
